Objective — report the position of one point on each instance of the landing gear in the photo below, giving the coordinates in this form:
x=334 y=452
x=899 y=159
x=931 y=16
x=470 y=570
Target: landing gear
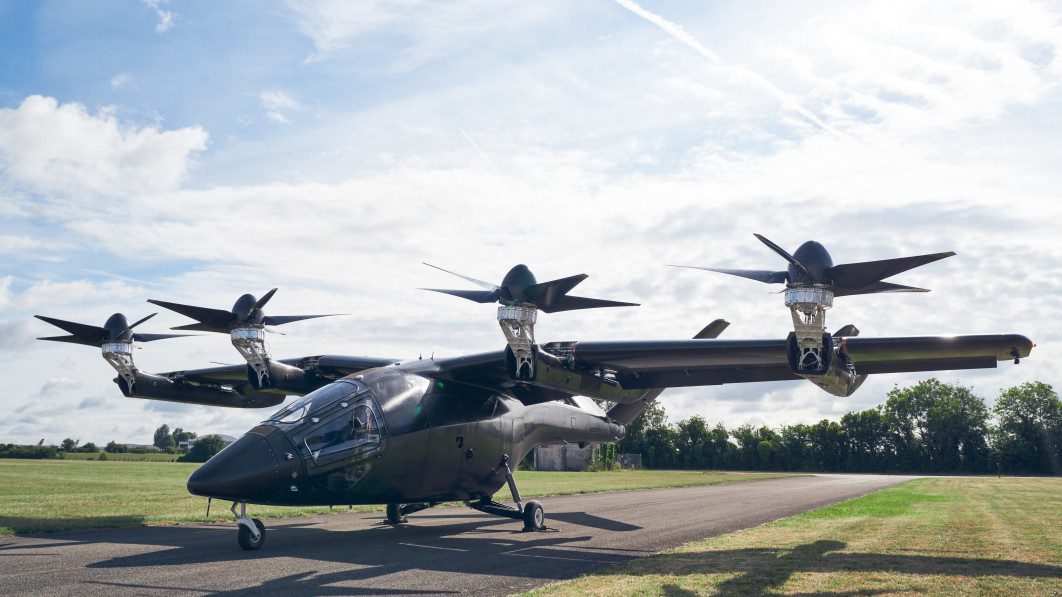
x=250 y=531
x=396 y=513
x=247 y=540
x=534 y=516
x=531 y=513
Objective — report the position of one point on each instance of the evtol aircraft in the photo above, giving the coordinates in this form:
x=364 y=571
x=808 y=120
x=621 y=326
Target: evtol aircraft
x=413 y=434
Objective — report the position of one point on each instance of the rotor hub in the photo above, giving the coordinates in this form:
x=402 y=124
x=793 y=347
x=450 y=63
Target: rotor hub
x=807 y=298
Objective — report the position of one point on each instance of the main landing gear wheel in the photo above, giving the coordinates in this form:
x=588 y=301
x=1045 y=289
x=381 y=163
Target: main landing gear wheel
x=534 y=516
x=246 y=537
x=394 y=514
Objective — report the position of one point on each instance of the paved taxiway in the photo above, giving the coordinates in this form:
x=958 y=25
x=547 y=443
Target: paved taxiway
x=445 y=550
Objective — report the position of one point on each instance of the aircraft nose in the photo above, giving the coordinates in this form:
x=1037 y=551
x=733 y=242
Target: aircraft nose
x=247 y=469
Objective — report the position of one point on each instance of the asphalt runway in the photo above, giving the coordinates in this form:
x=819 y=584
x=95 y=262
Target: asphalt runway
x=444 y=550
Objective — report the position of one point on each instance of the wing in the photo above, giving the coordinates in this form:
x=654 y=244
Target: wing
x=679 y=363
x=230 y=385
x=621 y=371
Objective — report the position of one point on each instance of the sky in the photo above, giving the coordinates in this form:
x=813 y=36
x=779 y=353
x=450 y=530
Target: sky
x=194 y=151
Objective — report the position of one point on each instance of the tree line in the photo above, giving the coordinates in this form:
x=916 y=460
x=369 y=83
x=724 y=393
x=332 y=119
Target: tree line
x=165 y=440
x=930 y=427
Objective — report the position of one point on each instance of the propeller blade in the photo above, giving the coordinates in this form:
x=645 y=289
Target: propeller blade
x=139 y=322
x=784 y=254
x=712 y=330
x=857 y=275
x=89 y=333
x=545 y=294
x=282 y=319
x=846 y=331
x=153 y=337
x=877 y=288
x=262 y=301
x=760 y=275
x=215 y=318
x=571 y=303
x=201 y=327
x=479 y=283
x=479 y=296
x=72 y=340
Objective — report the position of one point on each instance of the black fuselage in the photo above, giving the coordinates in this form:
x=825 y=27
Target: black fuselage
x=390 y=435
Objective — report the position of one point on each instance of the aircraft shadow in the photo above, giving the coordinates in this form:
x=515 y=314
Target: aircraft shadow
x=474 y=546
x=21 y=524
x=761 y=570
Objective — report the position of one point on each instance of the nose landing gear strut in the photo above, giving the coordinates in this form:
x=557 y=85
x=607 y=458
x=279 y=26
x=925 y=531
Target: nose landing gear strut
x=250 y=531
x=531 y=513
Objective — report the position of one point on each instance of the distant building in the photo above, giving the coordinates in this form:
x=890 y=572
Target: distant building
x=563 y=457
x=188 y=443
x=147 y=447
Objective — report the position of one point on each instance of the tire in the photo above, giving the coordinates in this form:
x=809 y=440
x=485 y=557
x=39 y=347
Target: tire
x=534 y=516
x=394 y=514
x=243 y=536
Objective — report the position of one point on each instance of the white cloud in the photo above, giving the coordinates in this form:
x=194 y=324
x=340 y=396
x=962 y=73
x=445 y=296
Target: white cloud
x=165 y=17
x=426 y=29
x=120 y=80
x=46 y=294
x=612 y=156
x=5 y=291
x=679 y=33
x=85 y=153
x=15 y=334
x=277 y=104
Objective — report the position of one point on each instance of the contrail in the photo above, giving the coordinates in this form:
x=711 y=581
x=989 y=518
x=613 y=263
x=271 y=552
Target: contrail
x=476 y=147
x=677 y=32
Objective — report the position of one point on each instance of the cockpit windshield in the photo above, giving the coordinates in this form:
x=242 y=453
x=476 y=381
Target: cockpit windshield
x=296 y=411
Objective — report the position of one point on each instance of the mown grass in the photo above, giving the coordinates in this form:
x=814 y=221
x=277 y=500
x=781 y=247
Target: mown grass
x=951 y=536
x=53 y=495
x=123 y=457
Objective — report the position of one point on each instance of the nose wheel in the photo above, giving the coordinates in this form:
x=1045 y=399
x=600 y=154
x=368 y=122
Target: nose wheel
x=534 y=516
x=246 y=538
x=250 y=532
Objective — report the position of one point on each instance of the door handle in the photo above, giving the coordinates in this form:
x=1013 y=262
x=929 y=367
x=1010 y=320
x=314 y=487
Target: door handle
x=460 y=441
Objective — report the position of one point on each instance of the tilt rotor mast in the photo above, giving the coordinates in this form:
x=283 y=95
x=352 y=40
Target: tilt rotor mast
x=518 y=324
x=808 y=305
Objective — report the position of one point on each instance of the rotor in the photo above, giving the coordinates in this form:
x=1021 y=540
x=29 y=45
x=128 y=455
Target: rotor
x=519 y=287
x=520 y=297
x=812 y=265
x=812 y=282
x=116 y=330
x=115 y=339
x=247 y=311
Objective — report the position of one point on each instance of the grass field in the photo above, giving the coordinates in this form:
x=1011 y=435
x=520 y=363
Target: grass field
x=51 y=495
x=954 y=536
x=126 y=457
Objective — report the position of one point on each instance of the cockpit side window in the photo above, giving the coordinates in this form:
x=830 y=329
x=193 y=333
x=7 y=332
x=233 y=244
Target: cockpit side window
x=354 y=432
